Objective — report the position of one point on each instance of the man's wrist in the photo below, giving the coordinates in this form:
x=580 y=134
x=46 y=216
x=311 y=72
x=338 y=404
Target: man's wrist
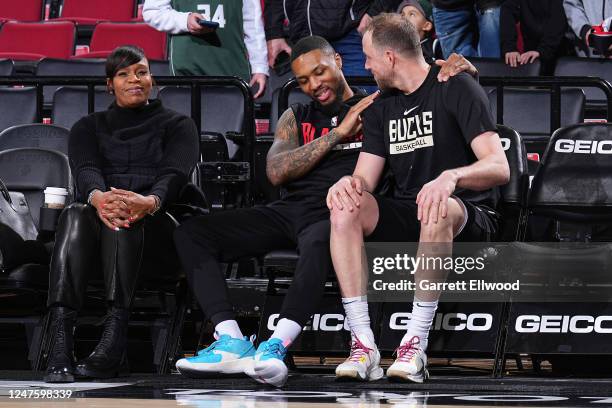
x=363 y=183
x=336 y=135
x=453 y=174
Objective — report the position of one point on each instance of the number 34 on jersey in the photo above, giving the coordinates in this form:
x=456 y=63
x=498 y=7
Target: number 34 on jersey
x=218 y=16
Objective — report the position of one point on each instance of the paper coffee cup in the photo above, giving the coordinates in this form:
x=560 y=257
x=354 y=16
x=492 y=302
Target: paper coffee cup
x=55 y=197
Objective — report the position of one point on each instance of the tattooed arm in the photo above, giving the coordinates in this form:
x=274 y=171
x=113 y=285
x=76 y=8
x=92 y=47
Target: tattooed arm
x=287 y=160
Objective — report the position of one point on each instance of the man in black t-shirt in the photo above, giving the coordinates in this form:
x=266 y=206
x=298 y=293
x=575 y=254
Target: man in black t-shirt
x=440 y=142
x=315 y=144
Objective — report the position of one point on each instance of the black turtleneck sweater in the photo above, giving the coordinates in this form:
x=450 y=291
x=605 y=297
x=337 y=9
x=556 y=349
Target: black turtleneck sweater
x=147 y=150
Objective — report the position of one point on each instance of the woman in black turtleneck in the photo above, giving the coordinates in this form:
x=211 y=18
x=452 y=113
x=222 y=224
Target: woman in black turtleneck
x=129 y=163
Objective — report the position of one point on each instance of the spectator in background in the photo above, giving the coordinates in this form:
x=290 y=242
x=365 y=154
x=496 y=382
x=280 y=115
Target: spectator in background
x=227 y=50
x=543 y=25
x=419 y=13
x=581 y=16
x=341 y=22
x=459 y=22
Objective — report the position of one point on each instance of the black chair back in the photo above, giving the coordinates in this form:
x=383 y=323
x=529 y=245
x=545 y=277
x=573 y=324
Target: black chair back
x=574 y=179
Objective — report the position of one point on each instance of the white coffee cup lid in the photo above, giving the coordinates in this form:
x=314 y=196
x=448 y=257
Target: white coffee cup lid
x=56 y=191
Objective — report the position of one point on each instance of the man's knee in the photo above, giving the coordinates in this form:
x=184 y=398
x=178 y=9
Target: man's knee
x=445 y=227
x=363 y=217
x=431 y=231
x=342 y=220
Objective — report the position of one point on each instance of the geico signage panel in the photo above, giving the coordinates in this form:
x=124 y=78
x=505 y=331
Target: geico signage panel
x=583 y=146
x=447 y=321
x=579 y=324
x=320 y=322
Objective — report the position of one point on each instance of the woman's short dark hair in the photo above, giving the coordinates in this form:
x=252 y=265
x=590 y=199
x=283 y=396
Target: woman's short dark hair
x=122 y=57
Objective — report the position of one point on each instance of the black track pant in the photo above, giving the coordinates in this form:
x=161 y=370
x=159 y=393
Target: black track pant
x=203 y=242
x=84 y=246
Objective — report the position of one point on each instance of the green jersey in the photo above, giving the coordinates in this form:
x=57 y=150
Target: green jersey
x=221 y=52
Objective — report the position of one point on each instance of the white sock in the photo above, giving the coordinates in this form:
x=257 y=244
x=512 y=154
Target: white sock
x=286 y=330
x=422 y=317
x=356 y=309
x=229 y=327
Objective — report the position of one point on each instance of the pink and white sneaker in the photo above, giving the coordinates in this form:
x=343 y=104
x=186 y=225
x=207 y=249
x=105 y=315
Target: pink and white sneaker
x=362 y=364
x=410 y=364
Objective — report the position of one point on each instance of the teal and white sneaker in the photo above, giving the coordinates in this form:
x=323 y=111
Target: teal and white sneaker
x=227 y=355
x=268 y=366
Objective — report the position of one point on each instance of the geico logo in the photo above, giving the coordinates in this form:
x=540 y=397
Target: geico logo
x=320 y=322
x=579 y=324
x=505 y=142
x=447 y=321
x=584 y=146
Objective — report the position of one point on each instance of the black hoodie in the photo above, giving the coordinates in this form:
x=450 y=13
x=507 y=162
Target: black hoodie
x=330 y=19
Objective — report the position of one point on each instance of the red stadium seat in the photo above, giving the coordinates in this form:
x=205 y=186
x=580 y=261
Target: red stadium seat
x=91 y=12
x=22 y=10
x=107 y=36
x=33 y=41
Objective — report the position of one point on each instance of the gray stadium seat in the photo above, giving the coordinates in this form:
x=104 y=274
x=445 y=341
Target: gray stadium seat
x=295 y=96
x=528 y=111
x=275 y=82
x=160 y=68
x=18 y=106
x=222 y=109
x=67 y=68
x=72 y=67
x=493 y=67
x=39 y=135
x=595 y=67
x=7 y=67
x=496 y=67
x=70 y=105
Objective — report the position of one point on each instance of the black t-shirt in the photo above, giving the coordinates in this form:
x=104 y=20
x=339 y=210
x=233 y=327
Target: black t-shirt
x=313 y=122
x=429 y=131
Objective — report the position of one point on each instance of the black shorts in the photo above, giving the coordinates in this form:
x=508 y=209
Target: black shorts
x=397 y=222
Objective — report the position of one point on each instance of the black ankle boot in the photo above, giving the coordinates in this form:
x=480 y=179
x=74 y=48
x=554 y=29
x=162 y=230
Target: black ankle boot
x=60 y=366
x=109 y=358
